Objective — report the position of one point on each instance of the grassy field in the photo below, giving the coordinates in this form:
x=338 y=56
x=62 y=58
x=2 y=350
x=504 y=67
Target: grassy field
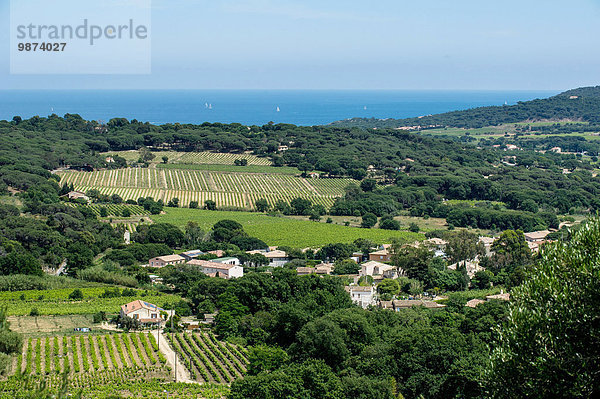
x=57 y=302
x=280 y=231
x=510 y=129
x=226 y=189
x=37 y=325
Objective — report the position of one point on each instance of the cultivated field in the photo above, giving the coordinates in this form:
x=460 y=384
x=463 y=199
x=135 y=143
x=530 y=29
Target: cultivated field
x=281 y=231
x=226 y=189
x=211 y=158
x=57 y=302
x=101 y=366
x=207 y=359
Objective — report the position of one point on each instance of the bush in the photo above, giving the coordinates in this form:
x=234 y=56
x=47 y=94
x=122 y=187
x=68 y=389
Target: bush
x=34 y=312
x=76 y=295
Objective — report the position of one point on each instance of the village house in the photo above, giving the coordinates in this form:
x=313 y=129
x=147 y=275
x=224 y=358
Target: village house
x=471 y=266
x=374 y=268
x=324 y=268
x=487 y=244
x=77 y=195
x=277 y=258
x=162 y=261
x=383 y=255
x=473 y=303
x=146 y=313
x=536 y=236
x=227 y=261
x=304 y=271
x=215 y=269
x=399 y=304
x=362 y=296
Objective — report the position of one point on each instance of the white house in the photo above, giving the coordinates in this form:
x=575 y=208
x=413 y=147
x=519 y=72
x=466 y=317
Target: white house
x=215 y=269
x=162 y=261
x=146 y=313
x=362 y=296
x=374 y=268
x=276 y=257
x=227 y=261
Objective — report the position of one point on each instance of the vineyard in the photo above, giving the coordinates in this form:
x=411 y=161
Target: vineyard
x=226 y=189
x=100 y=366
x=57 y=302
x=210 y=158
x=207 y=359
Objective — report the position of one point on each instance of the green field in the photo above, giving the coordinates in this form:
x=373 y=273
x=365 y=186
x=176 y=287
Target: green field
x=226 y=189
x=57 y=302
x=282 y=231
x=113 y=209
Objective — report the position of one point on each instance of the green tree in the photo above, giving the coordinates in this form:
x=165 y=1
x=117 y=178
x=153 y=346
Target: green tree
x=346 y=266
x=262 y=205
x=165 y=159
x=265 y=358
x=210 y=205
x=76 y=295
x=368 y=185
x=368 y=220
x=389 y=287
x=550 y=347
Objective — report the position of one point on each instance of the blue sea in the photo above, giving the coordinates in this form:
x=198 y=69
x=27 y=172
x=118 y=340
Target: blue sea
x=250 y=107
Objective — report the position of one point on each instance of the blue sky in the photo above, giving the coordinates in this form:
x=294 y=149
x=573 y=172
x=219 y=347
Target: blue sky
x=383 y=44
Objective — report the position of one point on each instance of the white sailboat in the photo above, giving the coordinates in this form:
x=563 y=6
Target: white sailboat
x=278 y=110
x=365 y=108
x=209 y=106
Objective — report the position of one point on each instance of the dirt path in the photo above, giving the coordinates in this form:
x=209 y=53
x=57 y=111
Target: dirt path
x=183 y=375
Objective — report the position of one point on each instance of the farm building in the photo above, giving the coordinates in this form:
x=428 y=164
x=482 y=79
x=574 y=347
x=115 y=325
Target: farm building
x=215 y=269
x=146 y=313
x=162 y=261
x=193 y=254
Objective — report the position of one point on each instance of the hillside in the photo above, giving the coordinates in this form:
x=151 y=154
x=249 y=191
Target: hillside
x=581 y=104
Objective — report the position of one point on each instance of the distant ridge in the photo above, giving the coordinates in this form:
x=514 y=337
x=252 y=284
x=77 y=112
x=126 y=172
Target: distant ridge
x=581 y=104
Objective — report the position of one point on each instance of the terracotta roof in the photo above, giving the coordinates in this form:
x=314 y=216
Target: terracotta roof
x=170 y=258
x=270 y=254
x=305 y=270
x=474 y=302
x=418 y=302
x=212 y=265
x=139 y=304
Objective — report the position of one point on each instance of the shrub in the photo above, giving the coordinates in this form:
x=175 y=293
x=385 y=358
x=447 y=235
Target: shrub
x=76 y=295
x=34 y=312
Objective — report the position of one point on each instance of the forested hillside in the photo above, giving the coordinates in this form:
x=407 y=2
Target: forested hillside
x=581 y=104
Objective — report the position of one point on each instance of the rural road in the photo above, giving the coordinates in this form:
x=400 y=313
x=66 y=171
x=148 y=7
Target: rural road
x=183 y=374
